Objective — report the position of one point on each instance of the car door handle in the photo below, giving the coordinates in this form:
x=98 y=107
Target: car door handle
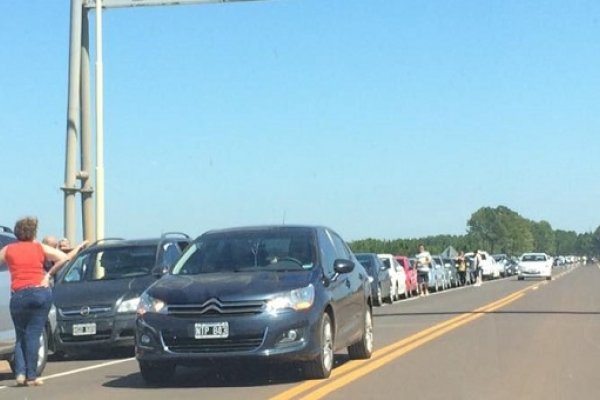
x=347 y=283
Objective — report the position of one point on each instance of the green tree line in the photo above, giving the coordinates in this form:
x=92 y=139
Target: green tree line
x=495 y=230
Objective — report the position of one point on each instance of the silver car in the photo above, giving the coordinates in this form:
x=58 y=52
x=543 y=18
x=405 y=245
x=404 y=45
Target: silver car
x=7 y=330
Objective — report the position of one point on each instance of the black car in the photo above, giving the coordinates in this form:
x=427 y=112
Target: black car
x=97 y=293
x=273 y=293
x=381 y=281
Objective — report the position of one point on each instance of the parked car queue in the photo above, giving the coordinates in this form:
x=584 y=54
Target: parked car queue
x=253 y=293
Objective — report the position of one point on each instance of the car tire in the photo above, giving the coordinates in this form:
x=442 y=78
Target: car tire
x=521 y=278
x=379 y=299
x=157 y=373
x=42 y=355
x=390 y=299
x=363 y=349
x=548 y=278
x=320 y=367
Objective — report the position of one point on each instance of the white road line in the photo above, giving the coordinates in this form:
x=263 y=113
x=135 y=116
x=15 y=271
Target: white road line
x=84 y=369
x=91 y=367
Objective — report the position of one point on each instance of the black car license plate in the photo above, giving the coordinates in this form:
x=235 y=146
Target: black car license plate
x=211 y=330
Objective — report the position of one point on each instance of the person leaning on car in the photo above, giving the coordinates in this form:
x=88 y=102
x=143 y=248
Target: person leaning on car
x=31 y=296
x=423 y=259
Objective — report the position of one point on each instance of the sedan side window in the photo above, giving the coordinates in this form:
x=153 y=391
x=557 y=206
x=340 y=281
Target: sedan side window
x=341 y=248
x=170 y=255
x=328 y=253
x=77 y=271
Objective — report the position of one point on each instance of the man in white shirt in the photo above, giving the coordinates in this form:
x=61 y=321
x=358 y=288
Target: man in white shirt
x=423 y=259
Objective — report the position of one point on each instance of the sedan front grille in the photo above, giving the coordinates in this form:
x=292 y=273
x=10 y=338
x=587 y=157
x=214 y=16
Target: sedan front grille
x=95 y=310
x=216 y=307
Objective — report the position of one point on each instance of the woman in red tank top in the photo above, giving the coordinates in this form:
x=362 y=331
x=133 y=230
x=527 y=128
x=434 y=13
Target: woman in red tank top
x=31 y=295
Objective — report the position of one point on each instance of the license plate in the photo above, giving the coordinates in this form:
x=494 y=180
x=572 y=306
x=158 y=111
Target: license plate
x=84 y=329
x=211 y=330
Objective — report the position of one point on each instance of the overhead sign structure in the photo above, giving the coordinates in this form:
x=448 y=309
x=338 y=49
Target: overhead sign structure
x=140 y=3
x=79 y=114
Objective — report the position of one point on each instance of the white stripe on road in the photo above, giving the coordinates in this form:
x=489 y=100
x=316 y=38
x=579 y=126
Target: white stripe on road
x=84 y=369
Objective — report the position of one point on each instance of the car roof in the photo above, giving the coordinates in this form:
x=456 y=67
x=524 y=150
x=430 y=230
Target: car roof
x=119 y=242
x=254 y=228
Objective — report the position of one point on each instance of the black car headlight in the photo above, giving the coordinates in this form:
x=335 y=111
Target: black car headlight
x=148 y=303
x=128 y=306
x=297 y=299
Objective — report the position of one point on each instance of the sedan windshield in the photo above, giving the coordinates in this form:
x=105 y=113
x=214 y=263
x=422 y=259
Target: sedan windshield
x=253 y=251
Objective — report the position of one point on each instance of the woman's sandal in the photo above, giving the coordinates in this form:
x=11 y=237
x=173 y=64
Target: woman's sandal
x=35 y=382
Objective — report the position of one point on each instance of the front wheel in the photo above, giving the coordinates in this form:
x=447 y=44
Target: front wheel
x=363 y=349
x=320 y=367
x=379 y=299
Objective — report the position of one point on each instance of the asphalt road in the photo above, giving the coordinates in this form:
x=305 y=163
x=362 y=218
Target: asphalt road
x=506 y=339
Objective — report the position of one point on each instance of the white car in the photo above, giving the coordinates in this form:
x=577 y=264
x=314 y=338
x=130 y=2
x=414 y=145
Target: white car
x=535 y=265
x=490 y=269
x=397 y=274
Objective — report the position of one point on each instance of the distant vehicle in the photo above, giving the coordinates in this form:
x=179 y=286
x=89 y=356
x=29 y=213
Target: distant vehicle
x=398 y=275
x=7 y=329
x=535 y=265
x=381 y=285
x=453 y=280
x=97 y=293
x=272 y=293
x=489 y=266
x=502 y=260
x=410 y=272
x=512 y=267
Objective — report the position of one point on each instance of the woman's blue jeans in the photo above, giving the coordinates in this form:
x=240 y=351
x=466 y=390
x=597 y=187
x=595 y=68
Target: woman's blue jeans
x=29 y=310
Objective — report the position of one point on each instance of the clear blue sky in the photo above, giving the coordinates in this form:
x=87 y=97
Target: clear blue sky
x=380 y=118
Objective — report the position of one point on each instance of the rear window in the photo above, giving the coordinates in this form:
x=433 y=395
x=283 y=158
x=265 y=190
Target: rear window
x=534 y=257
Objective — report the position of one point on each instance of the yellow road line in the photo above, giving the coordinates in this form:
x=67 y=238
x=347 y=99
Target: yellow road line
x=420 y=338
x=372 y=366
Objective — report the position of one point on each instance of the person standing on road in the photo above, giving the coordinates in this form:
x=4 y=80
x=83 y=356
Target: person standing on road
x=477 y=267
x=423 y=261
x=462 y=268
x=51 y=241
x=31 y=296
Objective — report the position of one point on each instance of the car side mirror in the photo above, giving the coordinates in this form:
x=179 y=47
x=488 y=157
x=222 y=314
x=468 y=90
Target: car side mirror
x=342 y=266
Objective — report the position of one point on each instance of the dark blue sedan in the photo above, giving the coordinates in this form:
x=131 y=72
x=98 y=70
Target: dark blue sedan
x=274 y=293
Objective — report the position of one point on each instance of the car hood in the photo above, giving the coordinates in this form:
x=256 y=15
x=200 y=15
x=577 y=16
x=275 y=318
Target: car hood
x=188 y=289
x=105 y=292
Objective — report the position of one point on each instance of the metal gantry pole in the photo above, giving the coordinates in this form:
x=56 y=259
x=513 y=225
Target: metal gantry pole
x=87 y=202
x=73 y=120
x=99 y=126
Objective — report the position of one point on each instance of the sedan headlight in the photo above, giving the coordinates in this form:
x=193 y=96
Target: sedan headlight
x=128 y=306
x=148 y=303
x=297 y=299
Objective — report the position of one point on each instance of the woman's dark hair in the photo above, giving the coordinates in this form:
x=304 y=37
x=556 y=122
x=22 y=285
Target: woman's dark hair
x=26 y=229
